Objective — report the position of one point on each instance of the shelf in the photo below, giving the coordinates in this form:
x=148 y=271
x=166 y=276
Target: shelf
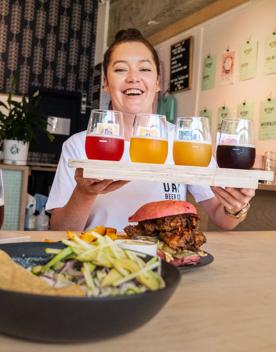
x=35 y=164
x=118 y=170
x=43 y=168
x=14 y=167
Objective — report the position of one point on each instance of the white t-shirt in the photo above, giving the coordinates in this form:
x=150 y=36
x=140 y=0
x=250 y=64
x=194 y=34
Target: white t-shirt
x=114 y=208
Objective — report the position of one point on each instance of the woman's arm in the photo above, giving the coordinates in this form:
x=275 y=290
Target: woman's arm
x=74 y=215
x=233 y=200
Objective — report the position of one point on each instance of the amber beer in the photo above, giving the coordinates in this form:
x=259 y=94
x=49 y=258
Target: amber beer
x=192 y=153
x=235 y=156
x=192 y=141
x=148 y=150
x=149 y=140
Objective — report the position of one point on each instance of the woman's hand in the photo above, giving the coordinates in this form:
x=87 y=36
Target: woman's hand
x=228 y=200
x=94 y=186
x=233 y=199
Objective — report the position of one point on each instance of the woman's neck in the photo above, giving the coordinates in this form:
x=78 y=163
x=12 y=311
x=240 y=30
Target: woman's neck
x=128 y=125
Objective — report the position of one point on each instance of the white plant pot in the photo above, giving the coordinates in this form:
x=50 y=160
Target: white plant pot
x=15 y=152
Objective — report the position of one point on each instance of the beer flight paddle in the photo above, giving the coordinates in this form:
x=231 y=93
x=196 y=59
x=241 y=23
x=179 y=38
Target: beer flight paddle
x=192 y=144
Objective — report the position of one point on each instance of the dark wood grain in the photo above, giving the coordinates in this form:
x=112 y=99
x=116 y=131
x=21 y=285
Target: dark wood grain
x=261 y=216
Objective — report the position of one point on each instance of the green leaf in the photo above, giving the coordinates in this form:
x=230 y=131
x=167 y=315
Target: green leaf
x=22 y=120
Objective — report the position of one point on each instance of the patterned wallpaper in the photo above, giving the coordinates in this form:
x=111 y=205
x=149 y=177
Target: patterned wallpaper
x=47 y=43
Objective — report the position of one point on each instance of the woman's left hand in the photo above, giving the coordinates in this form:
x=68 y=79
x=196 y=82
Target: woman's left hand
x=234 y=199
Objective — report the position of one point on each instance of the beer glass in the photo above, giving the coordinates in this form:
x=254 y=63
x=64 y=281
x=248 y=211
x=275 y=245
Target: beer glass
x=236 y=147
x=149 y=140
x=105 y=135
x=192 y=141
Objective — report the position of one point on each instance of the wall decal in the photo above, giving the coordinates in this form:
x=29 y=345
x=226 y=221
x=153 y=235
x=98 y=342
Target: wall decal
x=47 y=43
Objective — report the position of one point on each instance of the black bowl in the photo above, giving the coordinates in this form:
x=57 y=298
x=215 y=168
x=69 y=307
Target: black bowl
x=75 y=319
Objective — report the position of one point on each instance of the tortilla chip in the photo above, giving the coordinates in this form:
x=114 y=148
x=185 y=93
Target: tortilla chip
x=14 y=277
x=71 y=290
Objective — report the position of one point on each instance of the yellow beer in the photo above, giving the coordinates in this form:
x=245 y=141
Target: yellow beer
x=192 y=153
x=147 y=150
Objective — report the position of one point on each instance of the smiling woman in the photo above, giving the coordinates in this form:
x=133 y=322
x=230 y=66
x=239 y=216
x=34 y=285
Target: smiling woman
x=131 y=69
x=131 y=77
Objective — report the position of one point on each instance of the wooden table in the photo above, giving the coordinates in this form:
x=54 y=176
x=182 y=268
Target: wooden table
x=227 y=306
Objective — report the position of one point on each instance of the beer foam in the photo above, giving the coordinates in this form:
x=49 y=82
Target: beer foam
x=238 y=145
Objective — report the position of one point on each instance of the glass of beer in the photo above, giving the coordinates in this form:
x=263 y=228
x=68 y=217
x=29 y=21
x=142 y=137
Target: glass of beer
x=105 y=135
x=149 y=140
x=192 y=141
x=236 y=146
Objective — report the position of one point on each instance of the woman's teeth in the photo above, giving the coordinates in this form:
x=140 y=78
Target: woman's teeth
x=133 y=92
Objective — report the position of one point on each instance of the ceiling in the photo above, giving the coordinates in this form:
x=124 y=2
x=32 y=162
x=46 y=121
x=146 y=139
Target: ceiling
x=150 y=16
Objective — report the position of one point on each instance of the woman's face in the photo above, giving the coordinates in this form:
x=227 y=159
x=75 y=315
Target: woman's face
x=132 y=79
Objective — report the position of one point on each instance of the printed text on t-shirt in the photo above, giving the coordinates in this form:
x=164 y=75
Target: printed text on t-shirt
x=172 y=191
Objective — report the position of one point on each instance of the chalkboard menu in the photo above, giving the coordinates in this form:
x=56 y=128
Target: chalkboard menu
x=181 y=63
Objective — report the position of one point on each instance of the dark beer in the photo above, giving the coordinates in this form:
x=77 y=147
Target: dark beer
x=235 y=157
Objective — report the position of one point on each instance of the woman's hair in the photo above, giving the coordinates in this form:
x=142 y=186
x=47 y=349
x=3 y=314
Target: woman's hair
x=126 y=36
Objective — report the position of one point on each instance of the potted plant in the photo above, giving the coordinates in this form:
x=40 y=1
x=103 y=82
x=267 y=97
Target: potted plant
x=20 y=122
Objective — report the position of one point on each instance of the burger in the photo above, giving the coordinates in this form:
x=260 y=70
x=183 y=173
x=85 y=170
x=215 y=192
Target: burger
x=174 y=225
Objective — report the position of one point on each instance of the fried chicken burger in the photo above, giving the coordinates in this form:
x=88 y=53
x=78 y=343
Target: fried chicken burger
x=175 y=225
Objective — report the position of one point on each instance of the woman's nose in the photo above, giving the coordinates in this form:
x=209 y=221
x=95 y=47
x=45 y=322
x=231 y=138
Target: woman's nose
x=133 y=76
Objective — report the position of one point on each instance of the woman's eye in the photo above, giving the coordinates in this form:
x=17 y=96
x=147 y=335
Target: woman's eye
x=144 y=69
x=120 y=70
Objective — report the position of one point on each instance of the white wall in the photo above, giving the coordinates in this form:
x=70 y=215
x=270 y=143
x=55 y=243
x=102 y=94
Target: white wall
x=102 y=31
x=186 y=100
x=256 y=20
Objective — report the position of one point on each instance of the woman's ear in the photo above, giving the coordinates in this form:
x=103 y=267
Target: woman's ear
x=105 y=86
x=158 y=85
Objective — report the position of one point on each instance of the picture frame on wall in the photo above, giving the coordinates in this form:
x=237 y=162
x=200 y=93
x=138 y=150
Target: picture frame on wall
x=181 y=65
